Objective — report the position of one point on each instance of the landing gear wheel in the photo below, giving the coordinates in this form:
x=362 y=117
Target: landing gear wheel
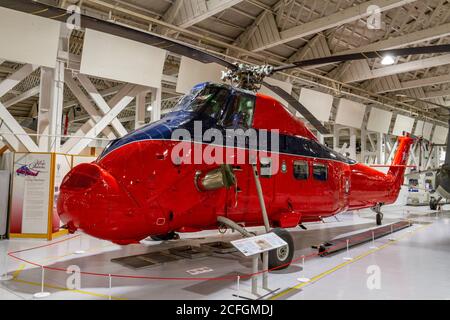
x=282 y=257
x=433 y=204
x=379 y=219
x=323 y=251
x=166 y=237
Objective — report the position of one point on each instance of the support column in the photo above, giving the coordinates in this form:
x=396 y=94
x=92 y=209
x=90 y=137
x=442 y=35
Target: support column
x=336 y=140
x=156 y=104
x=56 y=112
x=141 y=108
x=379 y=151
x=363 y=144
x=51 y=108
x=45 y=103
x=352 y=147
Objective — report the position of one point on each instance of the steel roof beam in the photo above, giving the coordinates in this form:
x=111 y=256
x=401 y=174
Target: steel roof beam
x=339 y=18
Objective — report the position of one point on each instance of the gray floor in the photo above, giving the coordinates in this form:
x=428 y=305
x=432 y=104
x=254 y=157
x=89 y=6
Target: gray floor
x=413 y=266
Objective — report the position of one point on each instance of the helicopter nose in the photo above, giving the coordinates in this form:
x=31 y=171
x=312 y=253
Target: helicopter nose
x=92 y=200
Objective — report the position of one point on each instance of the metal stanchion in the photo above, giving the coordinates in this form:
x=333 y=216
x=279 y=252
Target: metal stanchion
x=255 y=276
x=80 y=250
x=266 y=271
x=303 y=279
x=373 y=241
x=110 y=287
x=348 y=258
x=5 y=276
x=391 y=238
x=238 y=285
x=42 y=294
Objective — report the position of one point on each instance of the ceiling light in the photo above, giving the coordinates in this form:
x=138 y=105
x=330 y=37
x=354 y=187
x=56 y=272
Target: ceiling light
x=388 y=60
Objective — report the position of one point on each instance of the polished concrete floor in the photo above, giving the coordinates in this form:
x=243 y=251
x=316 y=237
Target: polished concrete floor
x=410 y=264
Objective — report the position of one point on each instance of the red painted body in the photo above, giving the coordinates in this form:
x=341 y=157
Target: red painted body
x=137 y=191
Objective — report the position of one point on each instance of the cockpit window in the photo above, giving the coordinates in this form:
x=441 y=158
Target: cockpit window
x=233 y=109
x=209 y=100
x=240 y=111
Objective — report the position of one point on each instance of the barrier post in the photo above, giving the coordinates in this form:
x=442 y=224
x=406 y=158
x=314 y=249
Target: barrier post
x=373 y=241
x=391 y=238
x=42 y=294
x=348 y=258
x=110 y=287
x=266 y=271
x=255 y=276
x=5 y=276
x=80 y=250
x=238 y=285
x=303 y=279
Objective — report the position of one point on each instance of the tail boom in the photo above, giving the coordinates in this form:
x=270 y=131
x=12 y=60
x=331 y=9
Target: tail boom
x=370 y=187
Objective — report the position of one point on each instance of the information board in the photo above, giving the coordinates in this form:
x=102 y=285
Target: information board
x=259 y=244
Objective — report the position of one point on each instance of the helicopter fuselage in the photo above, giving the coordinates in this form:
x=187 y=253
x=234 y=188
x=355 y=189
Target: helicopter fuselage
x=136 y=189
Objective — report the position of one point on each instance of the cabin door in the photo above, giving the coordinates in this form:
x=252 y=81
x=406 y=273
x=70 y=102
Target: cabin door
x=243 y=202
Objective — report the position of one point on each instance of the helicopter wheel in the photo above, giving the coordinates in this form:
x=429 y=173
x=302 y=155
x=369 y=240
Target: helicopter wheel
x=379 y=219
x=165 y=237
x=433 y=204
x=281 y=258
x=323 y=251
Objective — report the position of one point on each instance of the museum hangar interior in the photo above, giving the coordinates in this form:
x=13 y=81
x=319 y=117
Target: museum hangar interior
x=224 y=149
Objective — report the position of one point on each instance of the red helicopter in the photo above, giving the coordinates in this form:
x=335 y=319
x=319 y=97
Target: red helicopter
x=137 y=188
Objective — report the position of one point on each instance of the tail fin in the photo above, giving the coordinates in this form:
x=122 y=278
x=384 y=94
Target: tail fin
x=398 y=166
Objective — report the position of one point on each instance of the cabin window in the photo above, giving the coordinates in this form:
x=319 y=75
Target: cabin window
x=301 y=170
x=240 y=111
x=320 y=171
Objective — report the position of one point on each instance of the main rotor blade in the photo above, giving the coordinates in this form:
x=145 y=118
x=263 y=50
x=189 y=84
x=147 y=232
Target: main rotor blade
x=58 y=14
x=444 y=48
x=299 y=107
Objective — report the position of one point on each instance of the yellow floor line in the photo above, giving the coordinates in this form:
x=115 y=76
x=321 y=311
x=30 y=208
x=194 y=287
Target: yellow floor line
x=68 y=290
x=22 y=267
x=18 y=271
x=342 y=265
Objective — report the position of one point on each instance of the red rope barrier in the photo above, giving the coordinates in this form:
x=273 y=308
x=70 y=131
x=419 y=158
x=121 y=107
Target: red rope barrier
x=124 y=276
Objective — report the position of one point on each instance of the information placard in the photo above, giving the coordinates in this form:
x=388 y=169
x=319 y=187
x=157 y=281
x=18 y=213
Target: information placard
x=258 y=244
x=30 y=193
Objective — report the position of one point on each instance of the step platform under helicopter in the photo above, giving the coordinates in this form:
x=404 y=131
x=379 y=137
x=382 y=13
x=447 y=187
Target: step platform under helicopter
x=174 y=254
x=341 y=243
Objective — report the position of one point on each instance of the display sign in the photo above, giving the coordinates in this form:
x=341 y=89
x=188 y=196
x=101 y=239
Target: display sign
x=379 y=120
x=259 y=244
x=318 y=103
x=4 y=194
x=403 y=124
x=125 y=61
x=440 y=135
x=350 y=113
x=194 y=72
x=28 y=38
x=30 y=193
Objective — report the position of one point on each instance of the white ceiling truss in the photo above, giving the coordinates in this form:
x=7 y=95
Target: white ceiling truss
x=262 y=31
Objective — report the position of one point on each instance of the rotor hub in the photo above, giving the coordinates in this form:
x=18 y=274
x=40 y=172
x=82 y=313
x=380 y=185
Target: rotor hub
x=246 y=76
